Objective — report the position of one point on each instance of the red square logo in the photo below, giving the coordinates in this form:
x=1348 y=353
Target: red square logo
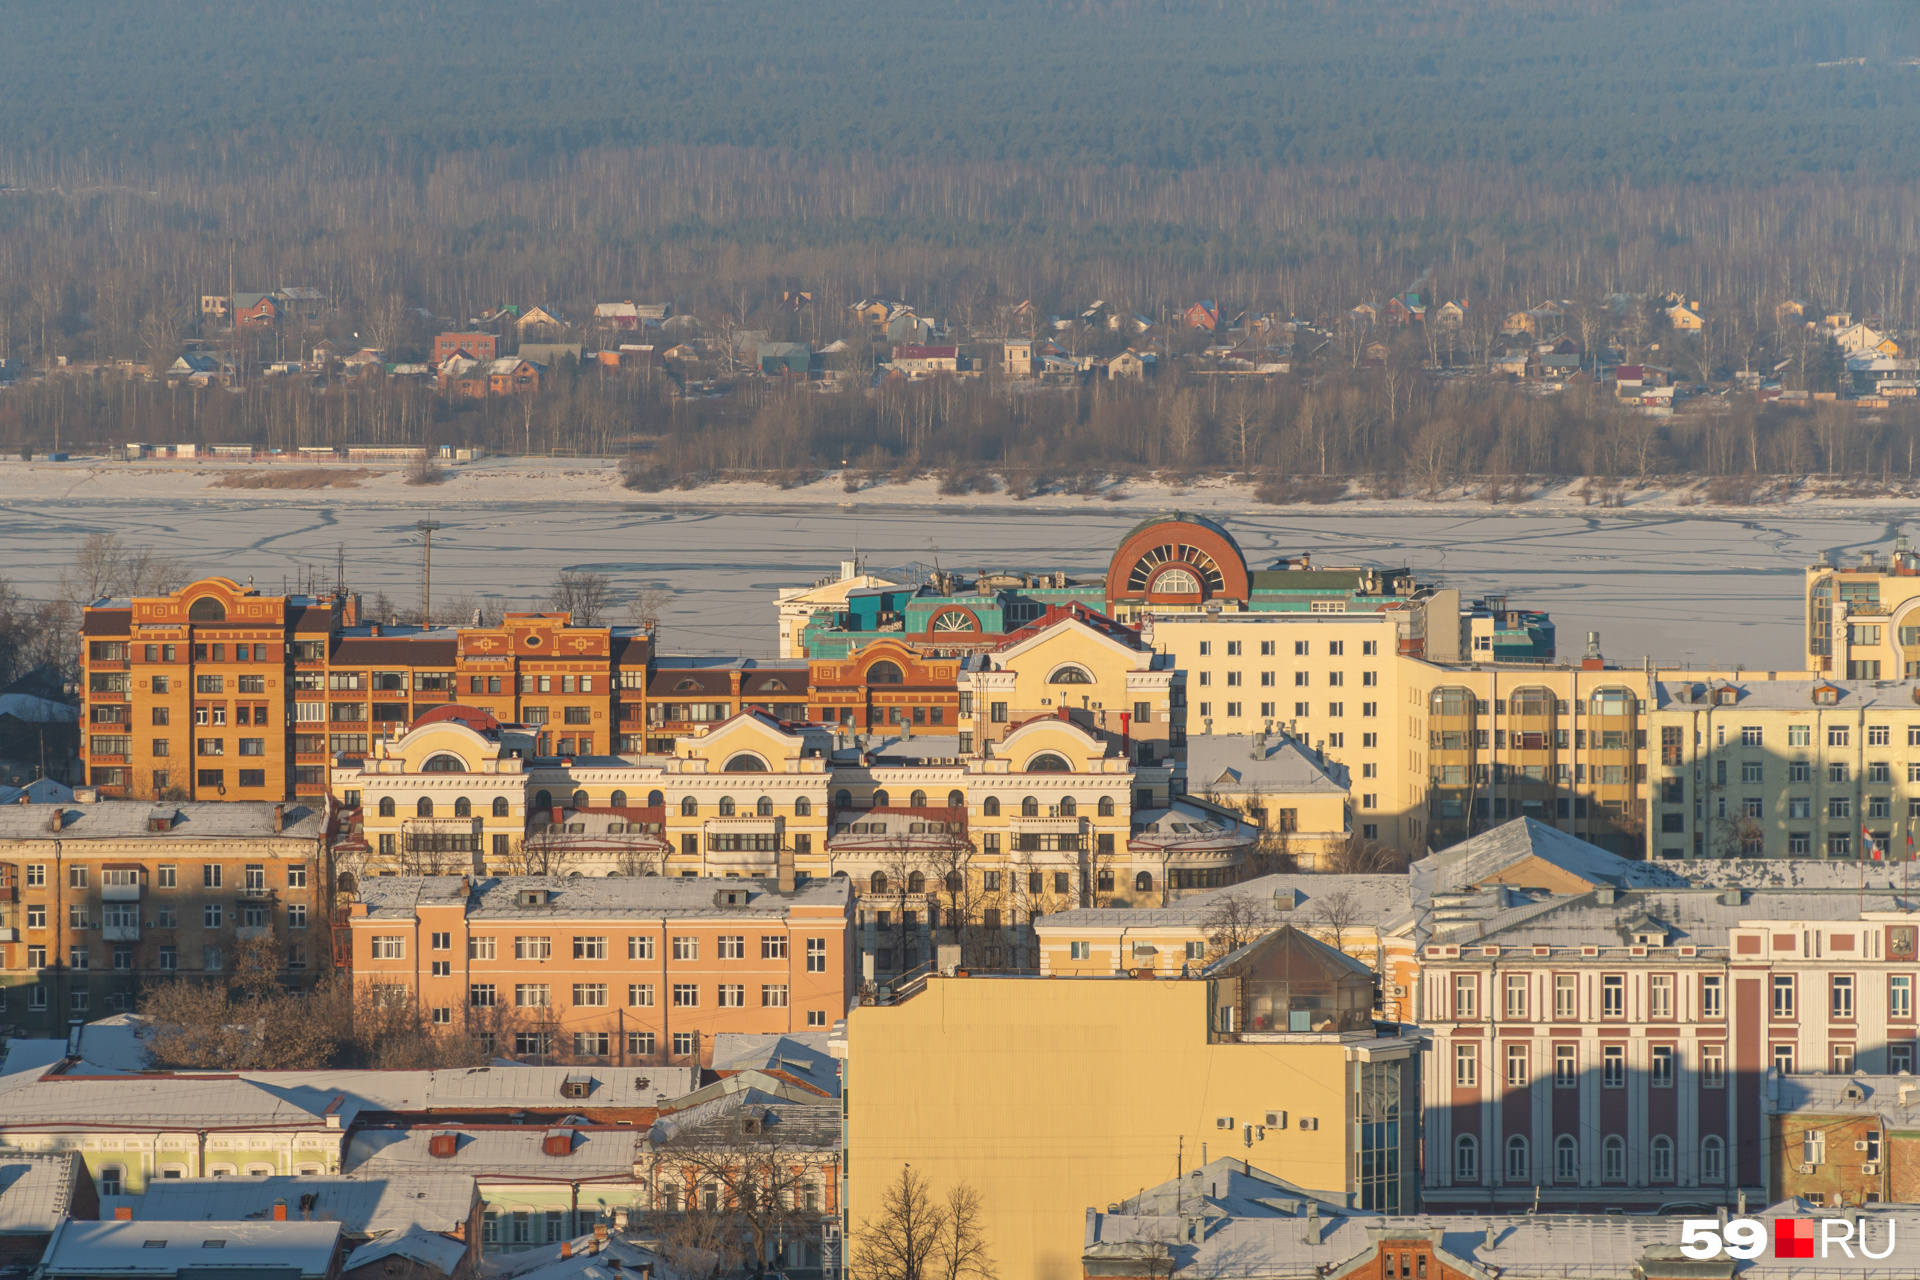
x=1793 y=1237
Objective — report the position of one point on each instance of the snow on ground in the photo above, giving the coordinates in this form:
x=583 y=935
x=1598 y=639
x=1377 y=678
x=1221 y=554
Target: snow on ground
x=1683 y=583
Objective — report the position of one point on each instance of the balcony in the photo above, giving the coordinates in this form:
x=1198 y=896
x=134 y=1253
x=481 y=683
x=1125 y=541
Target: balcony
x=121 y=932
x=253 y=932
x=120 y=892
x=1022 y=825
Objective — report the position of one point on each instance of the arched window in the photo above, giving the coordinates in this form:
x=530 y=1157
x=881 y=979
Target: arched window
x=1713 y=1161
x=880 y=800
x=745 y=762
x=386 y=806
x=500 y=807
x=990 y=807
x=543 y=800
x=462 y=808
x=1613 y=1159
x=1070 y=674
x=956 y=800
x=803 y=808
x=884 y=673
x=580 y=800
x=1177 y=582
x=843 y=799
x=1566 y=1159
x=689 y=807
x=206 y=609
x=1029 y=808
x=444 y=763
x=1453 y=701
x=726 y=806
x=1466 y=1160
x=1105 y=806
x=347 y=884
x=655 y=799
x=1143 y=883
x=1531 y=702
x=1613 y=702
x=1661 y=1163
x=1517 y=1159
x=1069 y=807
x=1047 y=762
x=955 y=882
x=917 y=800
x=425 y=808
x=618 y=800
x=916 y=883
x=764 y=806
x=877 y=882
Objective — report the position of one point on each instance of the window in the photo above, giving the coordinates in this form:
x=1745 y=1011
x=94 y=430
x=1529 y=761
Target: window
x=1565 y=995
x=1516 y=1159
x=1660 y=1072
x=1466 y=1159
x=640 y=1043
x=773 y=995
x=532 y=995
x=1660 y=995
x=1842 y=997
x=1613 y=996
x=1900 y=996
x=1710 y=997
x=1713 y=1161
x=1516 y=995
x=1466 y=1065
x=1660 y=1159
x=1566 y=1159
x=1713 y=1066
x=686 y=995
x=640 y=995
x=480 y=948
x=1783 y=996
x=1613 y=1067
x=1613 y=1159
x=1783 y=1059
x=733 y=947
x=816 y=955
x=589 y=948
x=733 y=995
x=1566 y=1069
x=532 y=948
x=1465 y=989
x=1516 y=1066
x=686 y=948
x=639 y=948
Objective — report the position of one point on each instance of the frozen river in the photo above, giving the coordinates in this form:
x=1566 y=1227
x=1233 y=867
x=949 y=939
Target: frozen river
x=1683 y=589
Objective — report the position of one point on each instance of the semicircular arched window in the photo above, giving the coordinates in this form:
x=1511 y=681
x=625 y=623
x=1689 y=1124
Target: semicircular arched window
x=1047 y=762
x=543 y=800
x=618 y=800
x=990 y=807
x=884 y=672
x=655 y=799
x=843 y=799
x=764 y=807
x=424 y=809
x=877 y=882
x=206 y=609
x=1143 y=883
x=952 y=622
x=1069 y=807
x=1176 y=582
x=1106 y=806
x=686 y=686
x=803 y=808
x=726 y=806
x=462 y=807
x=386 y=806
x=881 y=799
x=745 y=762
x=500 y=807
x=689 y=807
x=916 y=882
x=917 y=800
x=444 y=763
x=774 y=686
x=1030 y=807
x=1070 y=674
x=580 y=800
x=956 y=800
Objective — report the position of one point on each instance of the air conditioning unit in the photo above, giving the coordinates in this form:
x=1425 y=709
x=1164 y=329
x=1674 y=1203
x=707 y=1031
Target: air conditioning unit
x=1223 y=1122
x=1396 y=990
x=1805 y=1167
x=1276 y=1119
x=1870 y=1168
x=1860 y=1144
x=1309 y=1122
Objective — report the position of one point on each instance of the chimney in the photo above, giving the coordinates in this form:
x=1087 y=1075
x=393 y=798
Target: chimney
x=279 y=818
x=559 y=815
x=376 y=629
x=566 y=1248
x=58 y=820
x=350 y=615
x=785 y=863
x=279 y=1210
x=123 y=1213
x=1312 y=1235
x=1493 y=1234
x=600 y=1235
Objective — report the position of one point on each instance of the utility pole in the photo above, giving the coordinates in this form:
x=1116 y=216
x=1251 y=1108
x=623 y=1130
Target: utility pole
x=427 y=527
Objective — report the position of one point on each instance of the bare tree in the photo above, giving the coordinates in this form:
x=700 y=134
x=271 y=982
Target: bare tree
x=950 y=862
x=423 y=470
x=581 y=594
x=647 y=604
x=1358 y=856
x=751 y=1177
x=108 y=565
x=915 y=1237
x=1336 y=914
x=1232 y=922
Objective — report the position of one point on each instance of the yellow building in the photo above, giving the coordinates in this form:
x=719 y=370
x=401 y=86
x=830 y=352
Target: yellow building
x=1297 y=798
x=1863 y=620
x=1049 y=1095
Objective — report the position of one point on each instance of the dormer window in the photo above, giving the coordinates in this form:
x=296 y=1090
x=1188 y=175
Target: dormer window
x=687 y=686
x=1826 y=695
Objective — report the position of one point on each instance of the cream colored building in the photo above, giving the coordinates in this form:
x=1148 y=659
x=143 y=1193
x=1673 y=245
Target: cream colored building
x=1046 y=1095
x=1797 y=768
x=1863 y=620
x=1297 y=798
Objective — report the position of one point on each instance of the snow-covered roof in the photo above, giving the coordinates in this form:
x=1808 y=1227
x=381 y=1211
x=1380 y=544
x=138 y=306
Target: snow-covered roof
x=436 y=1201
x=140 y=1249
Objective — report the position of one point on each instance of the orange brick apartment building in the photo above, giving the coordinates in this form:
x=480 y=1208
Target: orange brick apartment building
x=615 y=970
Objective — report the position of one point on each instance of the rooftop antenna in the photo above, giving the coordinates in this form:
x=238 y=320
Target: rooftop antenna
x=427 y=527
